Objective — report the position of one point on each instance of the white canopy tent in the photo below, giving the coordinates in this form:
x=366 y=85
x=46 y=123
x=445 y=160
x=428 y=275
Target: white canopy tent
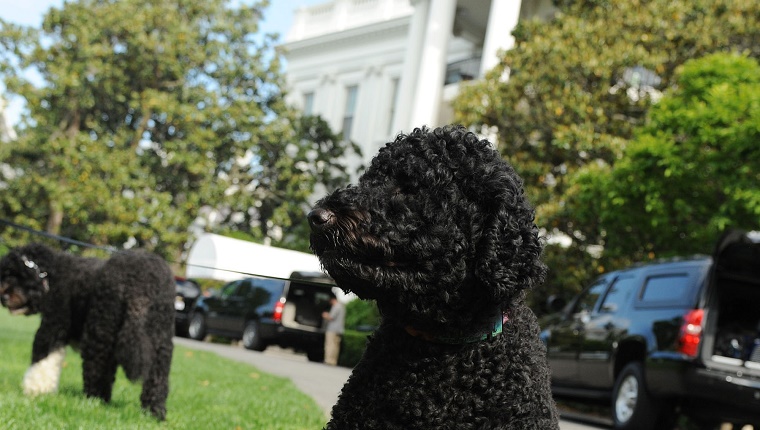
x=223 y=258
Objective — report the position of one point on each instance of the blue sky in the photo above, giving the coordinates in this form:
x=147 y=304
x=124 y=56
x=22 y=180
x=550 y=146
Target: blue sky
x=277 y=19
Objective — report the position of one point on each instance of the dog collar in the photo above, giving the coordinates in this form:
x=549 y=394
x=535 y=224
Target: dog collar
x=42 y=275
x=459 y=338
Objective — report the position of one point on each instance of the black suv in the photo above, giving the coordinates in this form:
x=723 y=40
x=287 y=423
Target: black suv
x=265 y=312
x=657 y=338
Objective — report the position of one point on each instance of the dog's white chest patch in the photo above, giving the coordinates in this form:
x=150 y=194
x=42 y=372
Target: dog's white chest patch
x=43 y=376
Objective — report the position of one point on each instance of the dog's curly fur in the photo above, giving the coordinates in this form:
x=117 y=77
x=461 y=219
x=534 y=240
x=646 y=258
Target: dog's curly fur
x=117 y=311
x=439 y=232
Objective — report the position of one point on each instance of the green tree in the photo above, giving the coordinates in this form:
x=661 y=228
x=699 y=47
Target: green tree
x=578 y=86
x=150 y=114
x=282 y=183
x=690 y=173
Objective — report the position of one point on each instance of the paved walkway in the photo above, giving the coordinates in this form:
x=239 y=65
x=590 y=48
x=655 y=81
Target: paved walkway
x=322 y=382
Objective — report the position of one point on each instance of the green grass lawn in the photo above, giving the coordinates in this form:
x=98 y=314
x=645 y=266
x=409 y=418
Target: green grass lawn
x=206 y=392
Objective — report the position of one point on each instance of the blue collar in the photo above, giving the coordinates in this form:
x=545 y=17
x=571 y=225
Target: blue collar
x=457 y=338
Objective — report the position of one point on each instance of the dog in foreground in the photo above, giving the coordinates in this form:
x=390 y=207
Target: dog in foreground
x=439 y=232
x=118 y=312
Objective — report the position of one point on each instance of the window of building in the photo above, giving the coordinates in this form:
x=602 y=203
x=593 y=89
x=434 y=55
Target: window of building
x=348 y=117
x=308 y=103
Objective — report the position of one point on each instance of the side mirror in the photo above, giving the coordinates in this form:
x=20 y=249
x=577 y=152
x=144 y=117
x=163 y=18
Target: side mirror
x=555 y=303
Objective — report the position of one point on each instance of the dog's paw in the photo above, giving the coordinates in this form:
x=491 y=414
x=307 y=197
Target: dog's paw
x=42 y=377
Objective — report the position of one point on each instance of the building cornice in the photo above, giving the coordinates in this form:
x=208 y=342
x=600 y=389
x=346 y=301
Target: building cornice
x=351 y=36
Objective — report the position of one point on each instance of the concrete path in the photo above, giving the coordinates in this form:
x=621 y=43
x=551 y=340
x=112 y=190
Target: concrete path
x=323 y=383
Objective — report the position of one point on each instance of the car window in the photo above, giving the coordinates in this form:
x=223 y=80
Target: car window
x=588 y=298
x=665 y=288
x=264 y=291
x=245 y=288
x=620 y=292
x=229 y=290
x=273 y=286
x=316 y=295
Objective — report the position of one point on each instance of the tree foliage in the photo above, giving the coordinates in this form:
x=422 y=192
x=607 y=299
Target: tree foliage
x=690 y=173
x=577 y=84
x=146 y=115
x=573 y=90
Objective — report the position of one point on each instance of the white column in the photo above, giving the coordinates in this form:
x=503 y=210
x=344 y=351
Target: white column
x=369 y=107
x=502 y=19
x=432 y=71
x=7 y=133
x=326 y=100
x=408 y=83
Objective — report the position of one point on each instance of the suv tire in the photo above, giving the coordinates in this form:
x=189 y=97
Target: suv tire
x=252 y=337
x=196 y=328
x=180 y=330
x=632 y=405
x=315 y=354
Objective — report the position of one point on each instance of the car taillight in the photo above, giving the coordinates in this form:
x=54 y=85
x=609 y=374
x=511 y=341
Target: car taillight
x=278 y=310
x=691 y=332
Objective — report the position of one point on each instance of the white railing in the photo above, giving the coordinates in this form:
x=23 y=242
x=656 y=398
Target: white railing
x=339 y=15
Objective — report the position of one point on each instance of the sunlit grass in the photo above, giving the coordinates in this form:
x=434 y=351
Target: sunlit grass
x=206 y=392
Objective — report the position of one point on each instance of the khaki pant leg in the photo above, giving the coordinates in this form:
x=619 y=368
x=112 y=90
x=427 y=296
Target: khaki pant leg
x=332 y=348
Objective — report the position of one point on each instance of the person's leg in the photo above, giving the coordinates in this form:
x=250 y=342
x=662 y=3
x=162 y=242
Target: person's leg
x=331 y=348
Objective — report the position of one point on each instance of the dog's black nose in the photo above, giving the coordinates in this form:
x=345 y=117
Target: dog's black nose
x=319 y=218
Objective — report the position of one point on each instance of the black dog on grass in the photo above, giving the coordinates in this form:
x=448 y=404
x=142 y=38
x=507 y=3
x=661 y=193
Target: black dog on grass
x=438 y=231
x=118 y=311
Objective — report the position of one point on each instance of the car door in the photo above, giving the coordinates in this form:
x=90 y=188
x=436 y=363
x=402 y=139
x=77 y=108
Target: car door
x=600 y=332
x=217 y=315
x=563 y=337
x=233 y=314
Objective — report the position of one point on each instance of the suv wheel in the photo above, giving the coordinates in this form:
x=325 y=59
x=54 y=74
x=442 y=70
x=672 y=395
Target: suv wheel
x=180 y=329
x=196 y=328
x=632 y=406
x=315 y=354
x=252 y=337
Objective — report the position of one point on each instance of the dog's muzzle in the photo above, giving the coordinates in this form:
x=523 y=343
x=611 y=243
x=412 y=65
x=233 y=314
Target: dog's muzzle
x=320 y=218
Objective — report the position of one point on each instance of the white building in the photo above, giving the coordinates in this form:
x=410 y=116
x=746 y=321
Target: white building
x=374 y=68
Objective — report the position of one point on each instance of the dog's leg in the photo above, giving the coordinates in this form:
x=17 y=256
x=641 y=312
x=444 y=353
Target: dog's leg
x=48 y=351
x=98 y=340
x=43 y=376
x=155 y=388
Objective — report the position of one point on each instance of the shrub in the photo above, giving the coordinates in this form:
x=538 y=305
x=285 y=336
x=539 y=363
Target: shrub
x=352 y=347
x=362 y=313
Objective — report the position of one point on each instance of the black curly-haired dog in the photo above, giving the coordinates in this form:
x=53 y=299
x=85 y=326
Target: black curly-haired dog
x=117 y=311
x=438 y=231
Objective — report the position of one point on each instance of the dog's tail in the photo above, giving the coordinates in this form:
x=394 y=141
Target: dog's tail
x=133 y=346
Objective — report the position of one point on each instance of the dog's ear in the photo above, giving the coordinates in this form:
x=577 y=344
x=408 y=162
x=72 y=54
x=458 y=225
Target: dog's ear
x=508 y=250
x=39 y=254
x=509 y=261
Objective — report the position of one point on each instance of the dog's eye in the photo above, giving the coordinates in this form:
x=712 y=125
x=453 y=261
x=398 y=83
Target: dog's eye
x=402 y=191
